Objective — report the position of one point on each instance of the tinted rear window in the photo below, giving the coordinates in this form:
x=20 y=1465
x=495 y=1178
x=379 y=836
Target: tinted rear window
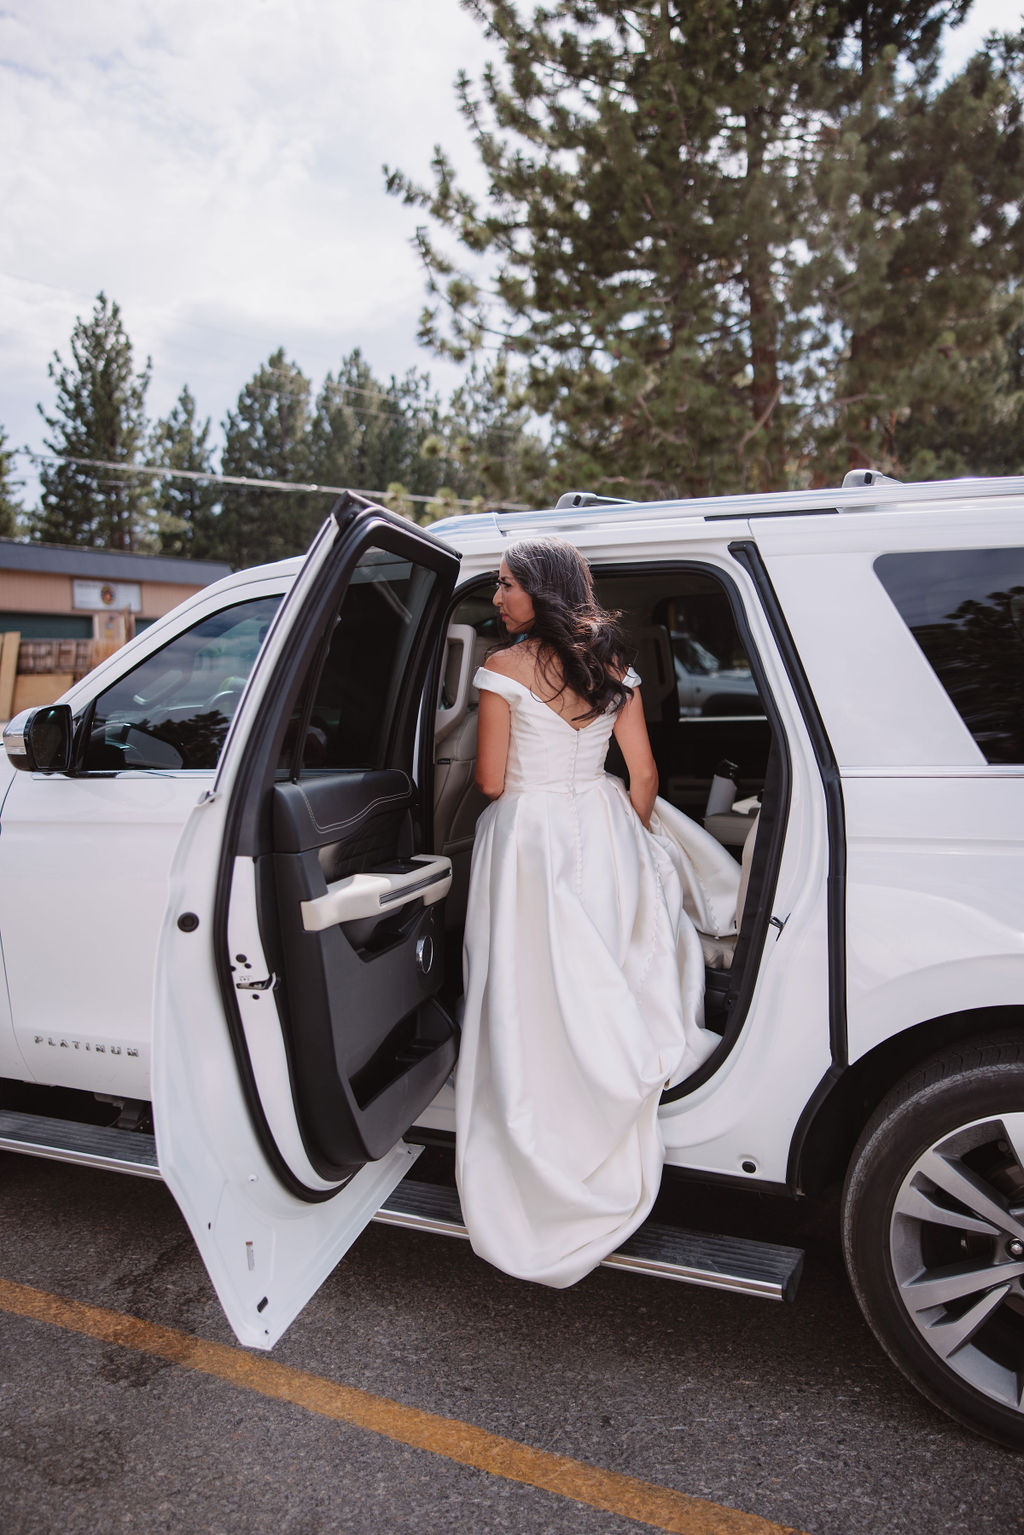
x=965 y=608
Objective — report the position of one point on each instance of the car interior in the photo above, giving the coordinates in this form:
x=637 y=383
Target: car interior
x=717 y=721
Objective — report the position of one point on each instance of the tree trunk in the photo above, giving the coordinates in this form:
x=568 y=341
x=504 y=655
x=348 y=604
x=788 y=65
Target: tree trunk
x=762 y=310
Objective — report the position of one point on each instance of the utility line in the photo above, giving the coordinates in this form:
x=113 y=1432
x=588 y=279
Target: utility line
x=290 y=486
x=396 y=412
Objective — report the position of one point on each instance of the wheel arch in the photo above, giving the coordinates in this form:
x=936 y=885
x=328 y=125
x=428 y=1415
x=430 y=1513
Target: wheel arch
x=847 y=1097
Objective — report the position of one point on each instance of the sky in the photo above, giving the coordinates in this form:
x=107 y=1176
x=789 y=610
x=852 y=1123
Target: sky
x=214 y=166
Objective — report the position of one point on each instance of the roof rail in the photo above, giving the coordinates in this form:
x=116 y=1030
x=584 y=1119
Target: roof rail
x=855 y=477
x=859 y=497
x=588 y=498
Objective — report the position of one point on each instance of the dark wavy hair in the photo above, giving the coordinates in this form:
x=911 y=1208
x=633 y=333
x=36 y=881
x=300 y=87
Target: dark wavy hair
x=577 y=638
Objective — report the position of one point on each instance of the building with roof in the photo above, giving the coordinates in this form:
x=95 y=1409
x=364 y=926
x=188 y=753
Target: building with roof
x=63 y=609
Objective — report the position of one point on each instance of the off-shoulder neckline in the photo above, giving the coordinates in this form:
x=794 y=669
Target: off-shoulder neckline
x=576 y=729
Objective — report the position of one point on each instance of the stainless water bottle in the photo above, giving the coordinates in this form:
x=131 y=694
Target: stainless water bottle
x=723 y=788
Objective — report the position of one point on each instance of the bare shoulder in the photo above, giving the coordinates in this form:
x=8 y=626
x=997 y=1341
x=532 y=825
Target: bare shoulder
x=517 y=661
x=498 y=662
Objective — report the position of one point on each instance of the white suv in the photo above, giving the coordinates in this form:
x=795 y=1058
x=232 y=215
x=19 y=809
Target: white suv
x=234 y=870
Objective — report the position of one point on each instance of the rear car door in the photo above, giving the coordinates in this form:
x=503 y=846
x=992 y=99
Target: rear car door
x=298 y=1032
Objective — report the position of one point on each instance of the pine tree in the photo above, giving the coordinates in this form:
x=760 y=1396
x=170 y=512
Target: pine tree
x=865 y=30
x=654 y=177
x=267 y=438
x=10 y=505
x=366 y=434
x=99 y=417
x=917 y=269
x=399 y=439
x=641 y=208
x=486 y=441
x=184 y=510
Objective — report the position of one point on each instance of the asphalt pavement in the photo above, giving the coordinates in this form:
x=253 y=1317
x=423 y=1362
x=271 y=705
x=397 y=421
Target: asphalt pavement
x=788 y=1413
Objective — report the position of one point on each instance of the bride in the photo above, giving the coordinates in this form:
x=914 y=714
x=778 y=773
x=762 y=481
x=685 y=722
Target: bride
x=584 y=971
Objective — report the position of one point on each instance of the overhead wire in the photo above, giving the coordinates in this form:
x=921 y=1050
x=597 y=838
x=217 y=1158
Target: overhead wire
x=290 y=486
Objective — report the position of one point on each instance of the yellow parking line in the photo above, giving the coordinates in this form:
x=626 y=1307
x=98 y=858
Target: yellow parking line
x=659 y=1507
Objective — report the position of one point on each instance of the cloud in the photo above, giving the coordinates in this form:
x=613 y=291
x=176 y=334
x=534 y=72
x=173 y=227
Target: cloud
x=215 y=168
x=984 y=16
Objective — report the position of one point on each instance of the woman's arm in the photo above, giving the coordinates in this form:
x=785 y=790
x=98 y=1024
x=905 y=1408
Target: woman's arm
x=494 y=724
x=635 y=744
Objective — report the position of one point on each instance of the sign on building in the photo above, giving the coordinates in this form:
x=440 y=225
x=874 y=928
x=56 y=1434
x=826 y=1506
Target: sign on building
x=100 y=596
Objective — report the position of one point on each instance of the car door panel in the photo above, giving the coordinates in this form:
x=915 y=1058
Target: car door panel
x=370 y=1049
x=292 y=1054
x=351 y=818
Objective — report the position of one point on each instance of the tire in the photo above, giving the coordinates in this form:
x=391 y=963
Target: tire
x=933 y=1233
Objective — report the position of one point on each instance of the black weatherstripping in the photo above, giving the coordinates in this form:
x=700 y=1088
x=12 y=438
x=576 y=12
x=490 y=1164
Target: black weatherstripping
x=801 y=1169
x=773 y=512
x=244 y=812
x=738 y=982
x=347 y=508
x=749 y=556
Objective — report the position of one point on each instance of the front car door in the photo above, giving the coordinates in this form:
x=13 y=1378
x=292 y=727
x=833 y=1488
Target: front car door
x=298 y=1032
x=85 y=855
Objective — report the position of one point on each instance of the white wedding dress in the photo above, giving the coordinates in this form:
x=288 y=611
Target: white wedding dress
x=584 y=996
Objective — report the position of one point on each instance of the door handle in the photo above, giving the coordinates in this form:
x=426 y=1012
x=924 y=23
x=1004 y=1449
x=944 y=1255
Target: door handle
x=374 y=895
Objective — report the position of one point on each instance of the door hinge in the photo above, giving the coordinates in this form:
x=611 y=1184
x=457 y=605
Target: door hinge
x=777 y=922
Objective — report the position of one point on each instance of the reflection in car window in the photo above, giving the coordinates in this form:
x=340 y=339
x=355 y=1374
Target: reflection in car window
x=173 y=710
x=371 y=647
x=712 y=672
x=965 y=608
x=694 y=656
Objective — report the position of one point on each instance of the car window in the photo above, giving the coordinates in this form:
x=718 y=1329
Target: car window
x=172 y=711
x=371 y=645
x=694 y=657
x=712 y=672
x=965 y=609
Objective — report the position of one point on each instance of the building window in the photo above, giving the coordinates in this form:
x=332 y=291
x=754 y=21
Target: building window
x=47 y=626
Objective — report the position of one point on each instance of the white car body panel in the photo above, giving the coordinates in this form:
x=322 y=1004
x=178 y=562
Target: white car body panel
x=935 y=903
x=83 y=1017
x=934 y=833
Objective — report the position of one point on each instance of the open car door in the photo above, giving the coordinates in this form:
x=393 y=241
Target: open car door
x=297 y=1028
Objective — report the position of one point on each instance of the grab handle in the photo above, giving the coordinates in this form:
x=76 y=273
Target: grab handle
x=374 y=895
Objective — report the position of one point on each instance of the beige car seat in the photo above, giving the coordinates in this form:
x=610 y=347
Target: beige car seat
x=718 y=952
x=457 y=800
x=657 y=670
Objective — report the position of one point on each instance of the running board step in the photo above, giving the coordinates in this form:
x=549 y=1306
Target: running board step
x=66 y=1140
x=692 y=1257
x=666 y=1252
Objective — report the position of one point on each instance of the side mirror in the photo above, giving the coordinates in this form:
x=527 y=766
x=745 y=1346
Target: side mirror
x=40 y=740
